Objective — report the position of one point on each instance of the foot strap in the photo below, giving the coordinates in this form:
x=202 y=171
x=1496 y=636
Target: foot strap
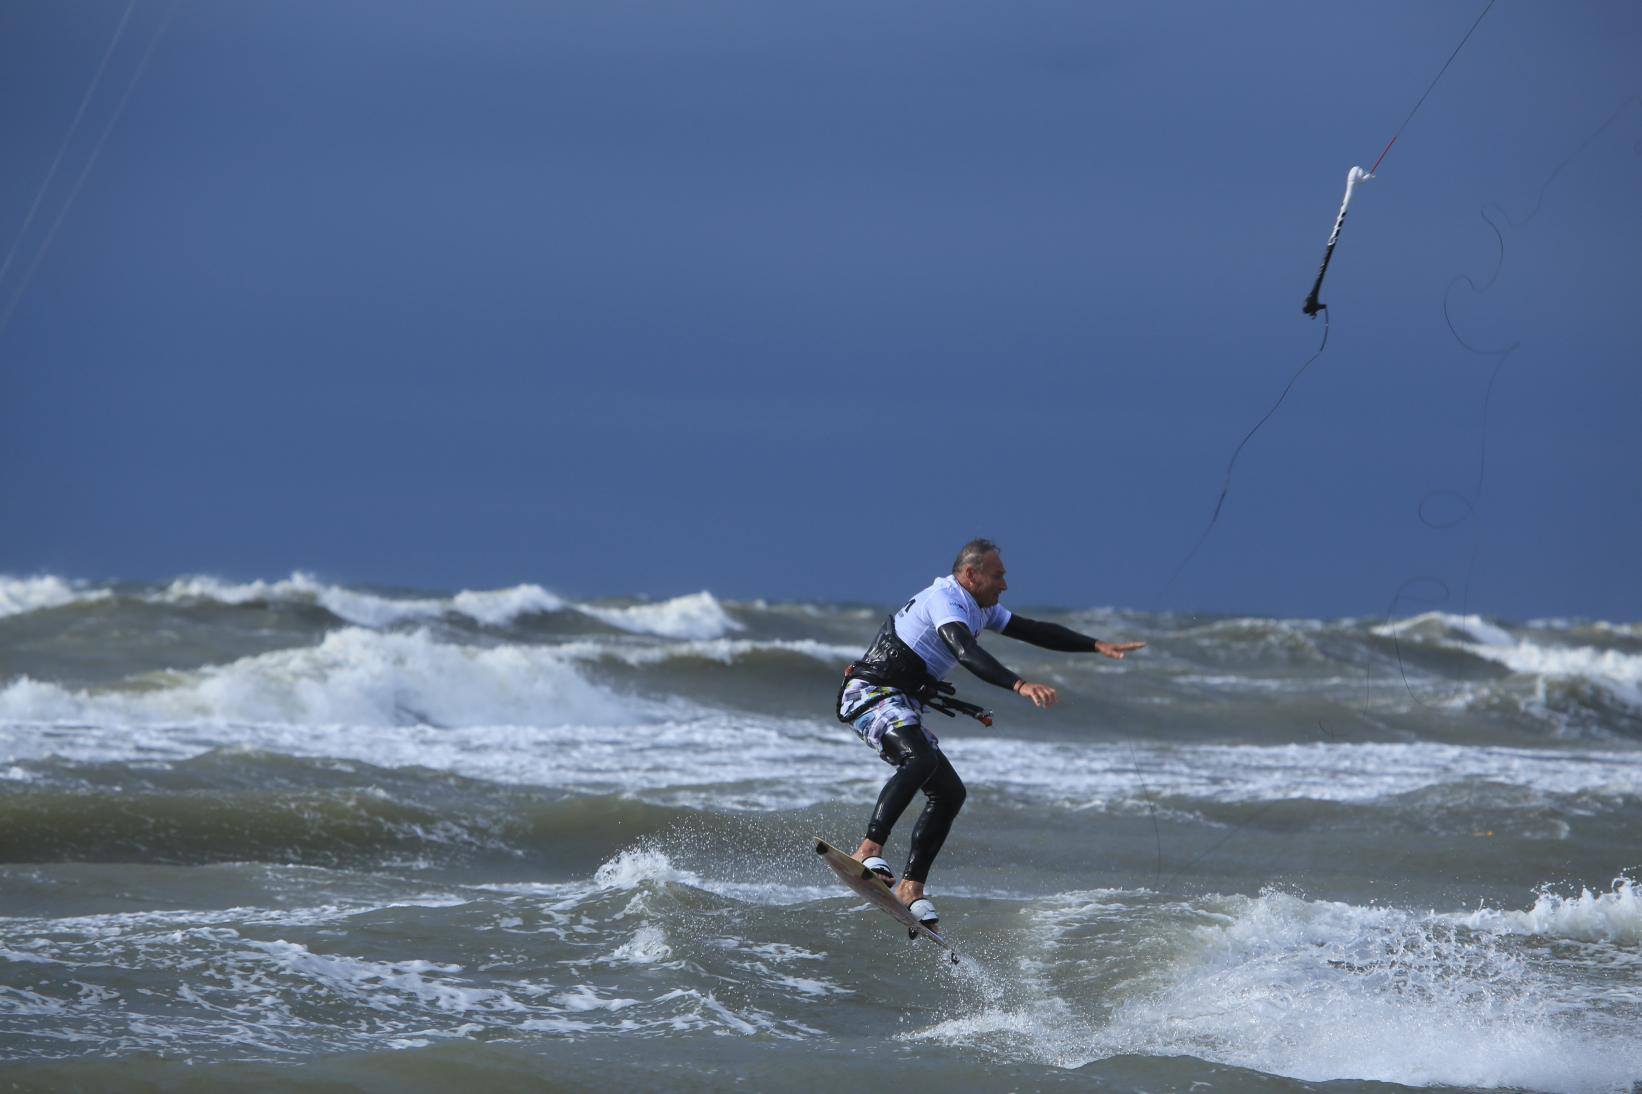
x=924 y=909
x=879 y=867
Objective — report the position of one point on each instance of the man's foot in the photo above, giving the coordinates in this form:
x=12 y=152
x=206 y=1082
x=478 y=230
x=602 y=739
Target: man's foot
x=911 y=893
x=924 y=909
x=880 y=868
x=870 y=855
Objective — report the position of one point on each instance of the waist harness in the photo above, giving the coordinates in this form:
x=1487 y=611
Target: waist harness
x=891 y=663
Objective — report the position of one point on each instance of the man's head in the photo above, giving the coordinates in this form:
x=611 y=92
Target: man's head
x=979 y=569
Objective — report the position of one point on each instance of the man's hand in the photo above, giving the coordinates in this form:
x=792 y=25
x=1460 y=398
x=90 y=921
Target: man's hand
x=1116 y=650
x=1042 y=695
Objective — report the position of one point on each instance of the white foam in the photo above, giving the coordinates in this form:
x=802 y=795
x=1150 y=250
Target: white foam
x=499 y=607
x=1483 y=631
x=801 y=985
x=106 y=926
x=1601 y=626
x=779 y=952
x=493 y=607
x=382 y=985
x=361 y=608
x=565 y=732
x=698 y=616
x=19 y=595
x=1045 y=1030
x=648 y=946
x=258 y=994
x=704 y=1011
x=632 y=868
x=1619 y=674
x=1088 y=775
x=1614 y=916
x=31 y=958
x=20 y=1002
x=1323 y=991
x=584 y=998
x=643 y=865
x=1474 y=627
x=679 y=762
x=355 y=677
x=725 y=651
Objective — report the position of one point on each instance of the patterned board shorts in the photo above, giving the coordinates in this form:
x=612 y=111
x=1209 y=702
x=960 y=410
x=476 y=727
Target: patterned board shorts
x=897 y=710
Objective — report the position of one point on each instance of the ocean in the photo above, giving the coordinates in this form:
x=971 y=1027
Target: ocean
x=293 y=834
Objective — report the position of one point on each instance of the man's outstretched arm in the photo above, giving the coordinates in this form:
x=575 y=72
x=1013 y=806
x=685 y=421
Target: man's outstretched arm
x=962 y=643
x=1053 y=636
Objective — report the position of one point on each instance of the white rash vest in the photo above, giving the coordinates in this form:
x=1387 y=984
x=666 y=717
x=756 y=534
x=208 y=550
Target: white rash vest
x=944 y=601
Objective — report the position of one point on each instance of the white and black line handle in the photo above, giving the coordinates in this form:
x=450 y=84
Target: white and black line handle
x=1353 y=177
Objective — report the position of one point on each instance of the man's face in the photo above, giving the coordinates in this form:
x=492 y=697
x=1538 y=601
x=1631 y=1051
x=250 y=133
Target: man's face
x=986 y=583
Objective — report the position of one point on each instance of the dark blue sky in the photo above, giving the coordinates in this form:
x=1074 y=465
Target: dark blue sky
x=788 y=301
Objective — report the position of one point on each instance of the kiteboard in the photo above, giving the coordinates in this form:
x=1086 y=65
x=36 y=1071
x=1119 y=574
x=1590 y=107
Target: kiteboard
x=877 y=892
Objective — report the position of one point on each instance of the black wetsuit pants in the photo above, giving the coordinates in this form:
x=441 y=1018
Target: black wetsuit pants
x=919 y=765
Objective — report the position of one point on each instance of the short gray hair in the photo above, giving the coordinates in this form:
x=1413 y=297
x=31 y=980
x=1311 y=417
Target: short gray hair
x=972 y=554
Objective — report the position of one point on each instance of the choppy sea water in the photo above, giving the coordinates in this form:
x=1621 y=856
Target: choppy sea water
x=288 y=833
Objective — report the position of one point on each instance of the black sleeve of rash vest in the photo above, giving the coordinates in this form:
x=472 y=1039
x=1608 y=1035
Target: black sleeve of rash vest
x=1049 y=636
x=972 y=657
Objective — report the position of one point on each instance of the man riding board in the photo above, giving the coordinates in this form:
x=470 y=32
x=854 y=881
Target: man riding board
x=886 y=692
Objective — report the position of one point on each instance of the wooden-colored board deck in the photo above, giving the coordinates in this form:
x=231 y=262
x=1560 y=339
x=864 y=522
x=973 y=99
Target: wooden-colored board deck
x=876 y=891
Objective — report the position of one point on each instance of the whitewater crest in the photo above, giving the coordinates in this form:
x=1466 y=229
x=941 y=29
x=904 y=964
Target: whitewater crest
x=21 y=595
x=1614 y=916
x=1616 y=673
x=696 y=616
x=635 y=866
x=1321 y=991
x=355 y=676
x=496 y=607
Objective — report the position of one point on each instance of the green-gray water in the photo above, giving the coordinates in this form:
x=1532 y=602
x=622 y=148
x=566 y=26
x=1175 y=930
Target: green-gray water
x=293 y=834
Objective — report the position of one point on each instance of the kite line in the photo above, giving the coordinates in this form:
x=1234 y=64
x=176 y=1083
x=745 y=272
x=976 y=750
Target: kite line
x=1313 y=305
x=73 y=126
x=91 y=159
x=1469 y=505
x=1225 y=483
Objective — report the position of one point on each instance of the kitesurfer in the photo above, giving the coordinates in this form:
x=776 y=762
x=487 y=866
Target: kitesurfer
x=886 y=693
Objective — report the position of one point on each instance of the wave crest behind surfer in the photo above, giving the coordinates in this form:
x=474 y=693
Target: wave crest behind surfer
x=885 y=695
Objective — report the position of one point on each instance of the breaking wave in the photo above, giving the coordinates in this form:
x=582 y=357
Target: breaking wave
x=354 y=676
x=495 y=607
x=1320 y=991
x=1614 y=916
x=21 y=595
x=697 y=616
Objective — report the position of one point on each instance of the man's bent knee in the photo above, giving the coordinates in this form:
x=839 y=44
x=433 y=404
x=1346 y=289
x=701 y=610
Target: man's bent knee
x=907 y=748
